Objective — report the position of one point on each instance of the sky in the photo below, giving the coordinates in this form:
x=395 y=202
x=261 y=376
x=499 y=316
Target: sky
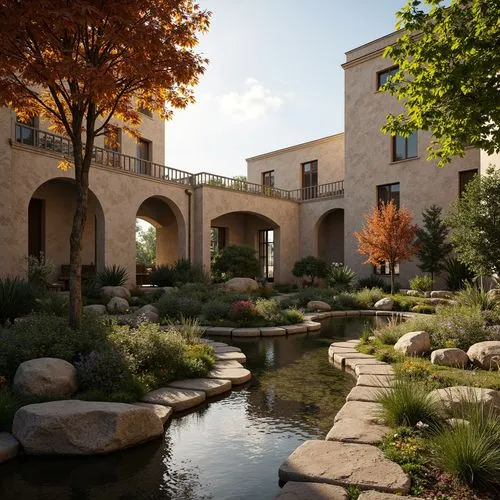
x=274 y=78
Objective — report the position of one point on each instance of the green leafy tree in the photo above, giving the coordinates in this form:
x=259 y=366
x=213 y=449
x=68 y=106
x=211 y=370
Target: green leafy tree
x=145 y=244
x=311 y=267
x=475 y=224
x=434 y=247
x=237 y=261
x=449 y=75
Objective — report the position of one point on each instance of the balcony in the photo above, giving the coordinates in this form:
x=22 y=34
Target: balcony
x=40 y=139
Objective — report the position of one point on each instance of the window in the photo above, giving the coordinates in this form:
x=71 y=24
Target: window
x=310 y=179
x=145 y=111
x=387 y=193
x=143 y=163
x=384 y=76
x=217 y=240
x=112 y=139
x=464 y=178
x=24 y=131
x=385 y=269
x=268 y=178
x=266 y=253
x=404 y=148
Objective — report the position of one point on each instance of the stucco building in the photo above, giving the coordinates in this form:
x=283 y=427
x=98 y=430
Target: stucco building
x=306 y=199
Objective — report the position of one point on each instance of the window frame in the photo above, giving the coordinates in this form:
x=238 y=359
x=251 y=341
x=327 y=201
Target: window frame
x=461 y=189
x=271 y=174
x=111 y=149
x=394 y=139
x=145 y=111
x=385 y=71
x=391 y=198
x=310 y=191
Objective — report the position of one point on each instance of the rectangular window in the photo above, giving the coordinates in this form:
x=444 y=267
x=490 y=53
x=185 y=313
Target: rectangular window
x=217 y=240
x=387 y=193
x=464 y=178
x=268 y=178
x=385 y=75
x=143 y=155
x=404 y=148
x=385 y=269
x=112 y=139
x=25 y=133
x=266 y=253
x=310 y=179
x=145 y=111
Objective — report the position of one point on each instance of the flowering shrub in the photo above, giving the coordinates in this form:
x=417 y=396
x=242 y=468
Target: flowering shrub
x=243 y=310
x=415 y=368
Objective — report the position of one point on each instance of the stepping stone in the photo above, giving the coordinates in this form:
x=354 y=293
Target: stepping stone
x=219 y=330
x=162 y=412
x=312 y=326
x=211 y=387
x=272 y=331
x=218 y=344
x=246 y=332
x=311 y=491
x=376 y=495
x=373 y=370
x=227 y=363
x=353 y=430
x=340 y=350
x=235 y=375
x=350 y=344
x=340 y=357
x=375 y=380
x=229 y=348
x=293 y=329
x=363 y=393
x=360 y=410
x=337 y=314
x=322 y=315
x=9 y=446
x=178 y=399
x=366 y=312
x=344 y=464
x=352 y=313
x=352 y=363
x=235 y=356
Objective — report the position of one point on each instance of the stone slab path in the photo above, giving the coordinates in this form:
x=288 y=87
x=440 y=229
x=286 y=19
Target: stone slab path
x=231 y=356
x=236 y=375
x=344 y=464
x=376 y=495
x=379 y=369
x=311 y=491
x=376 y=380
x=162 y=412
x=354 y=430
x=211 y=387
x=177 y=399
x=226 y=348
x=363 y=393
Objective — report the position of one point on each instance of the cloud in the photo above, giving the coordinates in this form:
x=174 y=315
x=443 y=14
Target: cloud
x=254 y=102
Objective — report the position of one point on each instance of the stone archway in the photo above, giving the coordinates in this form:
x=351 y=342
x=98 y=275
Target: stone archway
x=330 y=236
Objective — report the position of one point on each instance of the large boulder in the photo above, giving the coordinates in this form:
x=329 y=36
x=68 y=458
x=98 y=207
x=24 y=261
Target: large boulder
x=449 y=357
x=82 y=427
x=494 y=294
x=116 y=291
x=117 y=305
x=9 y=446
x=441 y=294
x=385 y=304
x=241 y=285
x=486 y=354
x=318 y=305
x=46 y=377
x=453 y=398
x=413 y=343
x=149 y=312
x=414 y=293
x=97 y=309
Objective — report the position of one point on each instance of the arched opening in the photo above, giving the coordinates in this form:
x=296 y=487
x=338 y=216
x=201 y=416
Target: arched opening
x=159 y=236
x=330 y=231
x=251 y=229
x=50 y=218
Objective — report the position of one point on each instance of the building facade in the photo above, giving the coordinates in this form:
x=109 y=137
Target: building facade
x=306 y=199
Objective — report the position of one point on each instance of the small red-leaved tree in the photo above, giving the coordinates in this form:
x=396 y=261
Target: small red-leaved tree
x=388 y=236
x=80 y=63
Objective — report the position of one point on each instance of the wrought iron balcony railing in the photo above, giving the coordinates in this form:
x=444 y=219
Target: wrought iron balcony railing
x=47 y=141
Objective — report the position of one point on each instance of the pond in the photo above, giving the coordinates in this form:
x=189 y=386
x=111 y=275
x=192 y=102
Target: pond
x=229 y=449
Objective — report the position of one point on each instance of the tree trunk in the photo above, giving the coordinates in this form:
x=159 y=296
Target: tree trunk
x=392 y=278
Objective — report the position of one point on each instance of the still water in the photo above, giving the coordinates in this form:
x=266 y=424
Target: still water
x=228 y=449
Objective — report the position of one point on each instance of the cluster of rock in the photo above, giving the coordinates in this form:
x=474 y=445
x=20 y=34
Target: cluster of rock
x=74 y=427
x=119 y=302
x=484 y=355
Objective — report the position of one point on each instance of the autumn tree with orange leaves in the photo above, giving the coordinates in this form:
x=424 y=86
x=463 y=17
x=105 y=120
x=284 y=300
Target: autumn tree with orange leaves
x=388 y=235
x=80 y=63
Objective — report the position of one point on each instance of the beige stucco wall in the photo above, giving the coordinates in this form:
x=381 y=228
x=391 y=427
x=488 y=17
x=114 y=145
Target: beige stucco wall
x=212 y=203
x=287 y=163
x=368 y=156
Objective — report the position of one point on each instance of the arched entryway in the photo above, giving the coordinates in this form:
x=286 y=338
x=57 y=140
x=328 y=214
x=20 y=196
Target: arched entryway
x=330 y=234
x=251 y=229
x=165 y=217
x=50 y=218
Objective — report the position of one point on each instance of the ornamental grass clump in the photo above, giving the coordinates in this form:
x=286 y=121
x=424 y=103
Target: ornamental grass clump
x=367 y=297
x=406 y=403
x=112 y=276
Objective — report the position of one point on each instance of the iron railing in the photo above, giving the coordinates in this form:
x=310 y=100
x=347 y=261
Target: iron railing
x=59 y=144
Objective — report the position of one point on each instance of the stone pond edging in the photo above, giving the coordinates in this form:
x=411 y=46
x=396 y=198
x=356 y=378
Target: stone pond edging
x=349 y=455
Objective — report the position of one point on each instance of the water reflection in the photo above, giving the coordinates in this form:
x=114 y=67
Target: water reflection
x=228 y=449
